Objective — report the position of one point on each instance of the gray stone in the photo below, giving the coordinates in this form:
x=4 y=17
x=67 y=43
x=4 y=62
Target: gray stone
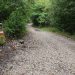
x=21 y=41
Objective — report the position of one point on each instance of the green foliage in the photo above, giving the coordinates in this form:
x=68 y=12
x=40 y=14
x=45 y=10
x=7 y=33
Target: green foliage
x=43 y=19
x=62 y=15
x=50 y=29
x=14 y=14
x=39 y=16
x=15 y=27
x=35 y=19
x=6 y=8
x=55 y=13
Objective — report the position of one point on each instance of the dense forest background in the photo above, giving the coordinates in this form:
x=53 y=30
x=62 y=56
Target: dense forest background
x=14 y=14
x=55 y=13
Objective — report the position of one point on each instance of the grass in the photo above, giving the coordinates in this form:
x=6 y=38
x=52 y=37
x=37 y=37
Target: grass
x=57 y=31
x=50 y=29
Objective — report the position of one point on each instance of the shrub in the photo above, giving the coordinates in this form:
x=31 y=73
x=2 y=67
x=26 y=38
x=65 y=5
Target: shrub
x=62 y=15
x=34 y=18
x=40 y=19
x=14 y=27
x=39 y=15
x=43 y=19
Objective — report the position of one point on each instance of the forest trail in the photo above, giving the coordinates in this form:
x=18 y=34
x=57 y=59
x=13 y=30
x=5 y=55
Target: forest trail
x=43 y=53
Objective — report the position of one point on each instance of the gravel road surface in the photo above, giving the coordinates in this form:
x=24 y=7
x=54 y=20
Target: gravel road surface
x=43 y=53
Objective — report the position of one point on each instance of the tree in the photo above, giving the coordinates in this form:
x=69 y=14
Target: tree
x=14 y=14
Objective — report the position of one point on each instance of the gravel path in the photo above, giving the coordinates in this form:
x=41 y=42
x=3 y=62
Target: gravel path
x=43 y=53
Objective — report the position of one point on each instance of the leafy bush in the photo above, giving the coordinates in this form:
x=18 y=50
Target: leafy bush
x=14 y=26
x=34 y=18
x=14 y=14
x=39 y=16
x=62 y=15
x=6 y=8
x=43 y=19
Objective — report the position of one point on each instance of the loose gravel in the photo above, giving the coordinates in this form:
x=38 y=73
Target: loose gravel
x=43 y=53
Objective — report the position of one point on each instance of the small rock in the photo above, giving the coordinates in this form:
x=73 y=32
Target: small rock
x=24 y=46
x=9 y=47
x=17 y=45
x=11 y=67
x=21 y=41
x=0 y=50
x=37 y=29
x=1 y=55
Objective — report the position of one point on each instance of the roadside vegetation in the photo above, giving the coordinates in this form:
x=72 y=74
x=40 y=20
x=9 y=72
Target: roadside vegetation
x=14 y=16
x=57 y=31
x=55 y=16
